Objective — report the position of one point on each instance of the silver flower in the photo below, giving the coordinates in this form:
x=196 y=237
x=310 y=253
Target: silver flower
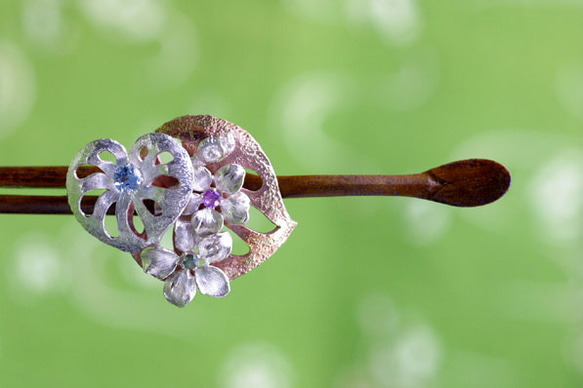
x=216 y=197
x=214 y=149
x=184 y=274
x=128 y=182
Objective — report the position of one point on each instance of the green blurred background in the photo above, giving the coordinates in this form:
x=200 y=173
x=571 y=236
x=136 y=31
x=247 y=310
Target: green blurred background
x=367 y=292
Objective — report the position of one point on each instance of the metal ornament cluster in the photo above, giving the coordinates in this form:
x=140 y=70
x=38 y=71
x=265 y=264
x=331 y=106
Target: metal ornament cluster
x=187 y=176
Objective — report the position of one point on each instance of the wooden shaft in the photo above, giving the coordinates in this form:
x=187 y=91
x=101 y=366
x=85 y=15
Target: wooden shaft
x=41 y=204
x=37 y=177
x=417 y=185
x=466 y=183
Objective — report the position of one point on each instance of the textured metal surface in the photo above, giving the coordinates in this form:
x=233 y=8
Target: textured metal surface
x=171 y=201
x=267 y=199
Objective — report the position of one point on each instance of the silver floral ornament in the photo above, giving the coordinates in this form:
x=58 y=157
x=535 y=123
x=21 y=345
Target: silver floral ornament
x=128 y=182
x=218 y=197
x=199 y=190
x=217 y=144
x=192 y=270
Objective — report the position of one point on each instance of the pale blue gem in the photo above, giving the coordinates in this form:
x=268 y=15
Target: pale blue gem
x=189 y=261
x=127 y=178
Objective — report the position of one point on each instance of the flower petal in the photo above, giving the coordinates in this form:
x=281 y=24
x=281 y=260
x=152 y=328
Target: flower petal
x=184 y=237
x=180 y=288
x=235 y=208
x=202 y=178
x=95 y=181
x=209 y=150
x=193 y=204
x=207 y=221
x=227 y=143
x=212 y=281
x=173 y=200
x=158 y=262
x=215 y=247
x=230 y=178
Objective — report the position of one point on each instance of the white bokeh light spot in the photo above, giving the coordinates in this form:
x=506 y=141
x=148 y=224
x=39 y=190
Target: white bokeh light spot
x=138 y=20
x=557 y=197
x=38 y=269
x=256 y=366
x=401 y=351
x=397 y=20
x=17 y=87
x=43 y=21
x=426 y=222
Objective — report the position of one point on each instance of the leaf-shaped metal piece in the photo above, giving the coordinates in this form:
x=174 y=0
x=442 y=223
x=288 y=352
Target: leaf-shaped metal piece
x=128 y=182
x=267 y=199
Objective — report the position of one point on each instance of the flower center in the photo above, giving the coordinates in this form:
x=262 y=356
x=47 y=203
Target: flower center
x=211 y=198
x=189 y=261
x=127 y=178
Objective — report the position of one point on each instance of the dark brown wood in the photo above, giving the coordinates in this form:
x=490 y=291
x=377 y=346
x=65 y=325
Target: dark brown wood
x=33 y=177
x=38 y=177
x=466 y=183
x=40 y=204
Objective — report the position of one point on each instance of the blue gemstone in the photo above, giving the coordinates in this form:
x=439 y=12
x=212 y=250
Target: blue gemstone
x=211 y=198
x=127 y=178
x=189 y=261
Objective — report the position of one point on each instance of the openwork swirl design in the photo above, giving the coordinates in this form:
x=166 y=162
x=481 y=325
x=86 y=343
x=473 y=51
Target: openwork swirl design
x=128 y=182
x=199 y=192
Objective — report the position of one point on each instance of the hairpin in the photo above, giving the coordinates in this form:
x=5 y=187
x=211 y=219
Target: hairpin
x=190 y=177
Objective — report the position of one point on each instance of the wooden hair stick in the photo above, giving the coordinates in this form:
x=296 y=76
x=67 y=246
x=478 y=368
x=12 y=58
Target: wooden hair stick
x=465 y=183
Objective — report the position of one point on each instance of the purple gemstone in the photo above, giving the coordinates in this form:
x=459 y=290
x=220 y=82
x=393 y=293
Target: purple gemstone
x=211 y=198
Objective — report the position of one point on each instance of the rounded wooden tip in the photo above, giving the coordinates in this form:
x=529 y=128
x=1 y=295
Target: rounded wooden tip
x=472 y=182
